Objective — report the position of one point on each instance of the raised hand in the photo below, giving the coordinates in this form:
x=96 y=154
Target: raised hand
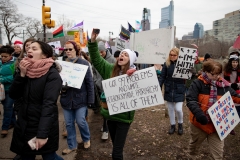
x=94 y=35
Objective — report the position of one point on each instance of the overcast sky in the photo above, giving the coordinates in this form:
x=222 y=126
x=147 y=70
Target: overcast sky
x=109 y=15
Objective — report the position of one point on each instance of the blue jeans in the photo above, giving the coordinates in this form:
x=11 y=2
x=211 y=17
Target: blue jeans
x=9 y=114
x=79 y=115
x=48 y=156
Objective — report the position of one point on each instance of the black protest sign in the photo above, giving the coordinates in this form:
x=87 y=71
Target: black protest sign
x=140 y=90
x=185 y=62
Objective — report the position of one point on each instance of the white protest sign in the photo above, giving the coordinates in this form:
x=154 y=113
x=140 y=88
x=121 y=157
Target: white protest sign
x=224 y=115
x=121 y=44
x=57 y=45
x=153 y=46
x=72 y=73
x=126 y=93
x=186 y=59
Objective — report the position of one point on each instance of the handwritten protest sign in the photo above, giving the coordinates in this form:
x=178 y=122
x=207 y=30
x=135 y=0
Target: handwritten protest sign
x=186 y=59
x=72 y=73
x=140 y=90
x=224 y=115
x=121 y=44
x=57 y=45
x=153 y=46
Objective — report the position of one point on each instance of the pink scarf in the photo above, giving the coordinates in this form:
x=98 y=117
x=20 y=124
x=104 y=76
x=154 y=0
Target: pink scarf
x=38 y=68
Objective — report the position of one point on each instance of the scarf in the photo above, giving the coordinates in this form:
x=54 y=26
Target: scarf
x=213 y=89
x=38 y=68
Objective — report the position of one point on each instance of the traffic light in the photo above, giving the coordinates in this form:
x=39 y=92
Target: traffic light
x=46 y=15
x=52 y=24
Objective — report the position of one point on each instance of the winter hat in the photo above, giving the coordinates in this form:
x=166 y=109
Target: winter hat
x=207 y=55
x=132 y=56
x=116 y=54
x=18 y=43
x=101 y=46
x=233 y=57
x=232 y=50
x=74 y=45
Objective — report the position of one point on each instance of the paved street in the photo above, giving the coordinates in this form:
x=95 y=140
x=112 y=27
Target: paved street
x=6 y=154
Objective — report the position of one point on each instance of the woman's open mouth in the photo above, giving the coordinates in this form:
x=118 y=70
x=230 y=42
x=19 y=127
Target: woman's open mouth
x=30 y=56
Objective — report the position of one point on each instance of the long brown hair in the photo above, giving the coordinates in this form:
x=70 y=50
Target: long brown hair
x=21 y=56
x=168 y=61
x=117 y=69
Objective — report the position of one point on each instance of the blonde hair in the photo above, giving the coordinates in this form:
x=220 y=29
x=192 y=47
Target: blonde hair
x=168 y=61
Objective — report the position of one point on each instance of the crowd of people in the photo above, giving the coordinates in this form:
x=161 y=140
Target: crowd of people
x=32 y=85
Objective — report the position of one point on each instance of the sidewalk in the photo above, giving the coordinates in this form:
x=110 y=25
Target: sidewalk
x=6 y=154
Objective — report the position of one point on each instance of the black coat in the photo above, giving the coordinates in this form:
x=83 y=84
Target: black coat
x=174 y=88
x=38 y=115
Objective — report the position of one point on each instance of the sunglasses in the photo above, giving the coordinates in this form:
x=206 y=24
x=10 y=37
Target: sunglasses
x=66 y=49
x=172 y=55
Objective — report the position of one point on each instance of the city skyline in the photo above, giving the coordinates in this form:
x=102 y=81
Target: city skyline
x=110 y=16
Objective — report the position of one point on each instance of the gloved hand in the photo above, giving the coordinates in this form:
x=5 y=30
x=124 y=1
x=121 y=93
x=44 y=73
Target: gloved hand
x=131 y=71
x=192 y=70
x=65 y=87
x=234 y=86
x=201 y=118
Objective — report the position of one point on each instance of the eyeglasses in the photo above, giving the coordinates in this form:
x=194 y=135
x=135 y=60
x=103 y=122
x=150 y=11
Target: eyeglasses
x=172 y=55
x=66 y=49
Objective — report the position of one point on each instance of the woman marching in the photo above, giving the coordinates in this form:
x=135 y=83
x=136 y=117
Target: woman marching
x=202 y=94
x=118 y=124
x=39 y=83
x=174 y=91
x=6 y=79
x=232 y=75
x=74 y=102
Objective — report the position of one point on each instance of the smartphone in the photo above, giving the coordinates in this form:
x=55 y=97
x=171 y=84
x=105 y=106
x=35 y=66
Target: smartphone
x=97 y=31
x=32 y=143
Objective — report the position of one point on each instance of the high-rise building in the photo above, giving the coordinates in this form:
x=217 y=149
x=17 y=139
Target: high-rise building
x=198 y=31
x=146 y=19
x=167 y=16
x=227 y=28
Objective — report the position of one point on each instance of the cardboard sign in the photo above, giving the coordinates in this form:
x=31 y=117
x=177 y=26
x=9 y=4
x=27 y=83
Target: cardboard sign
x=224 y=115
x=126 y=93
x=121 y=44
x=153 y=46
x=72 y=73
x=186 y=59
x=57 y=45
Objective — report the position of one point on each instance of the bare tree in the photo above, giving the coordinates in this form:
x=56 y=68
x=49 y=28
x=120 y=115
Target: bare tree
x=33 y=26
x=10 y=21
x=67 y=23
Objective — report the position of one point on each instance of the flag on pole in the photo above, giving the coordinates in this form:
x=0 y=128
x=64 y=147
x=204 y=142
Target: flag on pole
x=58 y=32
x=107 y=45
x=130 y=28
x=138 y=26
x=237 y=43
x=75 y=28
x=88 y=37
x=124 y=34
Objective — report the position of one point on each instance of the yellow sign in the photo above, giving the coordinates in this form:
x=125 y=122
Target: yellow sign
x=76 y=37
